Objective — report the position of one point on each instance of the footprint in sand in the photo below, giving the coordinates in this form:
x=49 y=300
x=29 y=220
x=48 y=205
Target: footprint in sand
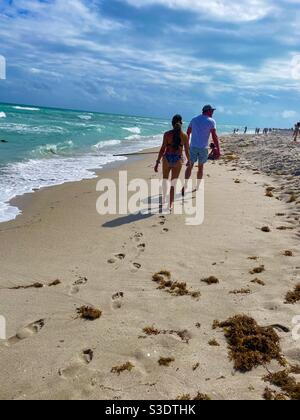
x=26 y=332
x=117 y=299
x=163 y=220
x=135 y=267
x=138 y=236
x=75 y=288
x=141 y=248
x=116 y=260
x=80 y=361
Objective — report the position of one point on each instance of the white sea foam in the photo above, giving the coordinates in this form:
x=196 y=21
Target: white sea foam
x=108 y=143
x=134 y=137
x=85 y=117
x=54 y=149
x=30 y=129
x=24 y=177
x=2 y=115
x=26 y=108
x=134 y=130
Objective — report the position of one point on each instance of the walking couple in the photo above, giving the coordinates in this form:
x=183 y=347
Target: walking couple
x=195 y=144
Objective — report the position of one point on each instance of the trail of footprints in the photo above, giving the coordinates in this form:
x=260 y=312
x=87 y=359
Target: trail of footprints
x=118 y=259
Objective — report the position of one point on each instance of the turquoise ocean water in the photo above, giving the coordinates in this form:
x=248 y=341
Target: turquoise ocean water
x=41 y=147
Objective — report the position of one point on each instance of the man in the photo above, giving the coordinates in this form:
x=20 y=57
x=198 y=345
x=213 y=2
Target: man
x=200 y=129
x=296 y=131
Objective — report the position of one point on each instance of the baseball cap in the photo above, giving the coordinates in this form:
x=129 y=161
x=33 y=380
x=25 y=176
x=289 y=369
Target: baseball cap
x=208 y=108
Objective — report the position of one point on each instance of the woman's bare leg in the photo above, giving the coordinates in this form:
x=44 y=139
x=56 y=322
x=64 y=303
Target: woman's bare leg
x=175 y=175
x=166 y=174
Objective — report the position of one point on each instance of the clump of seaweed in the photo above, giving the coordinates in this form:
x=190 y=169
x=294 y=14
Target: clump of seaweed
x=30 y=286
x=201 y=397
x=54 y=283
x=173 y=287
x=288 y=253
x=270 y=395
x=266 y=229
x=286 y=383
x=214 y=343
x=182 y=334
x=88 y=313
x=211 y=280
x=165 y=273
x=151 y=331
x=253 y=258
x=269 y=194
x=120 y=369
x=216 y=324
x=196 y=366
x=258 y=281
x=157 y=278
x=293 y=296
x=185 y=397
x=285 y=228
x=270 y=189
x=240 y=292
x=166 y=361
x=292 y=198
x=295 y=369
x=250 y=345
x=258 y=270
x=198 y=397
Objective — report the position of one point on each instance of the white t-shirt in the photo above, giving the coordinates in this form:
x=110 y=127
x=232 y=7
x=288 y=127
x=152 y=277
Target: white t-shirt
x=201 y=128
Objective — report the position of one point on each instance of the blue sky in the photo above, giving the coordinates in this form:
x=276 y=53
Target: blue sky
x=155 y=57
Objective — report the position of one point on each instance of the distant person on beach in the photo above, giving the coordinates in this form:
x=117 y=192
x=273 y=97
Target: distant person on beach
x=296 y=131
x=246 y=130
x=175 y=141
x=200 y=129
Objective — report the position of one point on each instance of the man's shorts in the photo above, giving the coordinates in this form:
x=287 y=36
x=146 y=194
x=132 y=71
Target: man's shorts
x=199 y=155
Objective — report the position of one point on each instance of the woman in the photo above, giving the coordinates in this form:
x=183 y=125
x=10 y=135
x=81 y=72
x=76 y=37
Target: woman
x=297 y=131
x=172 y=154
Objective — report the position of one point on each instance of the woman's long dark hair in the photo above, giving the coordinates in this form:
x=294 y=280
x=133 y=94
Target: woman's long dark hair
x=177 y=130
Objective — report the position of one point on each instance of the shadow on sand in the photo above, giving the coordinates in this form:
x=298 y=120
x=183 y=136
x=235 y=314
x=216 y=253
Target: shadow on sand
x=126 y=220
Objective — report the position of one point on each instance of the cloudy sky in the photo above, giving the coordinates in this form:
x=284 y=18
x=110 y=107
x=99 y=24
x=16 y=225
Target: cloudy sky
x=155 y=57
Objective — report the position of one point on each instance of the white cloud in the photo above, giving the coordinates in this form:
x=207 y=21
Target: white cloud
x=289 y=114
x=233 y=11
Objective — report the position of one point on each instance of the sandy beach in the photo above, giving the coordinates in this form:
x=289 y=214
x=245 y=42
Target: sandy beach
x=108 y=262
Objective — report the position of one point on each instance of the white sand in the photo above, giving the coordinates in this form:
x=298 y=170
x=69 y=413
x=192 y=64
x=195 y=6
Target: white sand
x=60 y=236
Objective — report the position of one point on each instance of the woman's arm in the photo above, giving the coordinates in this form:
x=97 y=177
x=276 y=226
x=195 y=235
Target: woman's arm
x=187 y=148
x=161 y=153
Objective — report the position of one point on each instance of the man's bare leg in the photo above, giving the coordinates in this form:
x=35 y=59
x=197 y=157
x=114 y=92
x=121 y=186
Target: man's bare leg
x=200 y=175
x=188 y=174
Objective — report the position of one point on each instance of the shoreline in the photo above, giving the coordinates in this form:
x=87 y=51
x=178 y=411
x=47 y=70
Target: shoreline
x=21 y=202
